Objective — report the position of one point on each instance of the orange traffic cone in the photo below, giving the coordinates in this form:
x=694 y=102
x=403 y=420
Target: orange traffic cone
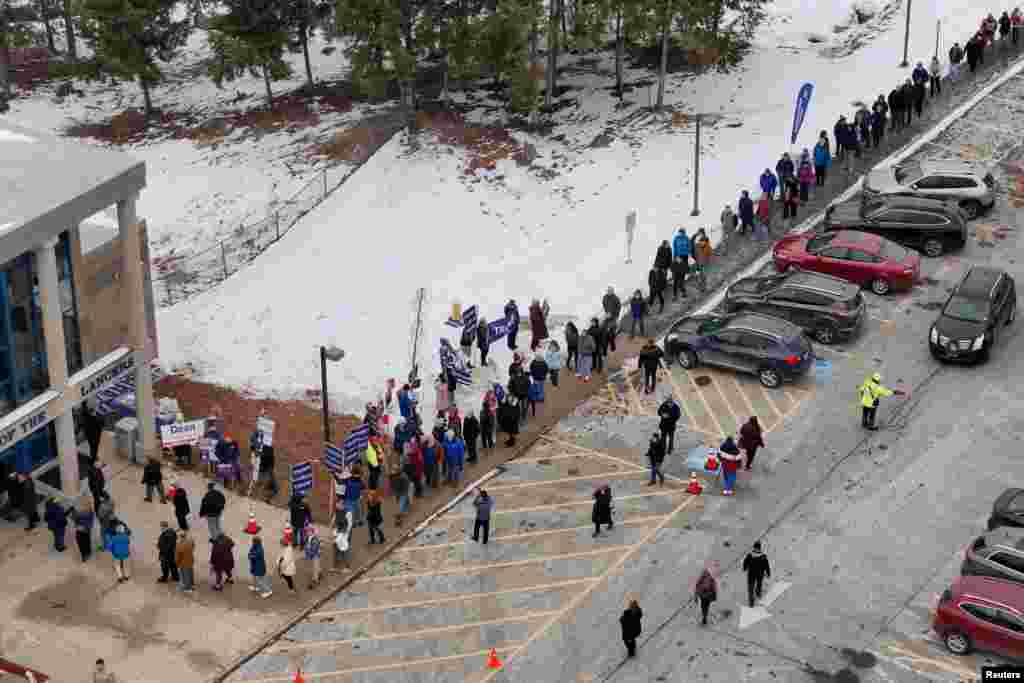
x=298 y=677
x=694 y=487
x=252 y=527
x=492 y=660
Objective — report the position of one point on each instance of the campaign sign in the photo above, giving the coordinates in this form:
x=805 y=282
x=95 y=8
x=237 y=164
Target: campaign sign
x=182 y=433
x=497 y=330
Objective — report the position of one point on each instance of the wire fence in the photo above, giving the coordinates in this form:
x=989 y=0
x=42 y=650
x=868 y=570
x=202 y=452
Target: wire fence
x=176 y=279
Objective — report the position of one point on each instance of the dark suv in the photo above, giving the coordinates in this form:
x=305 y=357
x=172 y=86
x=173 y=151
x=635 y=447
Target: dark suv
x=984 y=301
x=829 y=308
x=930 y=226
x=775 y=350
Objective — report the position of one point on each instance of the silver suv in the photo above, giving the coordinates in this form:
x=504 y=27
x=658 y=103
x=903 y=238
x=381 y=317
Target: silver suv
x=970 y=185
x=998 y=553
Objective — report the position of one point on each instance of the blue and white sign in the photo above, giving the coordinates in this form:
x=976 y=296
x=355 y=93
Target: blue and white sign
x=302 y=478
x=803 y=100
x=498 y=329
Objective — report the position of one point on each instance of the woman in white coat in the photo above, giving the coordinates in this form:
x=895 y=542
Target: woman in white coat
x=286 y=565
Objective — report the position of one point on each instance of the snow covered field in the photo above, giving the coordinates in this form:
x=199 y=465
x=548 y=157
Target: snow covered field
x=411 y=217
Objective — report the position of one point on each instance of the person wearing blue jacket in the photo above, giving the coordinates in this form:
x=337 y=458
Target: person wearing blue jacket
x=746 y=208
x=120 y=550
x=258 y=569
x=920 y=74
x=454 y=454
x=768 y=183
x=57 y=521
x=512 y=316
x=822 y=159
x=553 y=357
x=681 y=244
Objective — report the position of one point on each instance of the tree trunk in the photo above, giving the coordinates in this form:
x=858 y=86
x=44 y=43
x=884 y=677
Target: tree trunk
x=552 y=75
x=44 y=14
x=561 y=10
x=663 y=67
x=305 y=55
x=444 y=77
x=620 y=53
x=69 y=30
x=270 y=93
x=147 y=97
x=5 y=74
x=534 y=42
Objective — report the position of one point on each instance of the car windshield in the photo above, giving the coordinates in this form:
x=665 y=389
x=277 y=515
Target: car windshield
x=968 y=310
x=893 y=252
x=908 y=174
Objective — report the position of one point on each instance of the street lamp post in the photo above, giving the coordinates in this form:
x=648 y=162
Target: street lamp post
x=696 y=171
x=333 y=354
x=906 y=38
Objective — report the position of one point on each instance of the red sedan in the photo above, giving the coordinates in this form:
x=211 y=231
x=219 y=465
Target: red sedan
x=860 y=257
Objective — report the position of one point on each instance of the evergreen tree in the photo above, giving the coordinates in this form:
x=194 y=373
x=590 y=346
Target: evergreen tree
x=373 y=28
x=303 y=17
x=252 y=36
x=503 y=39
x=130 y=36
x=69 y=10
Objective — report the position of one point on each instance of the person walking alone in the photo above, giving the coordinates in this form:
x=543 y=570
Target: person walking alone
x=120 y=550
x=181 y=507
x=185 y=560
x=670 y=413
x=871 y=391
x=166 y=545
x=656 y=456
x=261 y=582
x=602 y=512
x=222 y=561
x=56 y=518
x=638 y=312
x=631 y=626
x=755 y=564
x=286 y=563
x=650 y=361
x=751 y=438
x=153 y=480
x=84 y=521
x=484 y=505
x=212 y=507
x=706 y=592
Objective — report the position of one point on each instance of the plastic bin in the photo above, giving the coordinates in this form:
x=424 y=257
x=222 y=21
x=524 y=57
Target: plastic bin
x=126 y=435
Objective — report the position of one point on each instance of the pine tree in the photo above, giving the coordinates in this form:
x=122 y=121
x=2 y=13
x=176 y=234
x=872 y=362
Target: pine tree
x=68 y=11
x=303 y=17
x=131 y=36
x=373 y=27
x=251 y=37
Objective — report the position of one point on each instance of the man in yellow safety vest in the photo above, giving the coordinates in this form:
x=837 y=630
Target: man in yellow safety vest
x=870 y=391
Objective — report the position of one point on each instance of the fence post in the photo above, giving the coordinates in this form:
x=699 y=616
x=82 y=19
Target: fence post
x=324 y=172
x=224 y=259
x=277 y=224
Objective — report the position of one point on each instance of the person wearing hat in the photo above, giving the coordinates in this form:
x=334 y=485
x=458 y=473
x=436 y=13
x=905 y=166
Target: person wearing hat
x=212 y=507
x=755 y=564
x=870 y=392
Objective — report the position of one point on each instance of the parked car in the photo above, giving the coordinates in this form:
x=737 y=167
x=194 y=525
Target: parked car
x=859 y=257
x=999 y=554
x=775 y=350
x=981 y=613
x=1008 y=510
x=828 y=308
x=983 y=302
x=971 y=186
x=930 y=226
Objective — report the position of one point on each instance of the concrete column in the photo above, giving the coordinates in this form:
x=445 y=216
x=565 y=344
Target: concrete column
x=132 y=293
x=57 y=363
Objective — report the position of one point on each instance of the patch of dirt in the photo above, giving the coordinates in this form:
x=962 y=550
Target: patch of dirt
x=354 y=145
x=130 y=126
x=485 y=145
x=205 y=661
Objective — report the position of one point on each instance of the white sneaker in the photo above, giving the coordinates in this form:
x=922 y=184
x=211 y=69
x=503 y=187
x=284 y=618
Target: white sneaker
x=253 y=588
x=266 y=594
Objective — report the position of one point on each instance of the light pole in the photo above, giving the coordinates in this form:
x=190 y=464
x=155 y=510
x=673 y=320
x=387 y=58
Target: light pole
x=906 y=38
x=696 y=171
x=333 y=354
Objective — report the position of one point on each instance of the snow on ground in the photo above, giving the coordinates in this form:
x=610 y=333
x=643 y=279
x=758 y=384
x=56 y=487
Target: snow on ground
x=347 y=273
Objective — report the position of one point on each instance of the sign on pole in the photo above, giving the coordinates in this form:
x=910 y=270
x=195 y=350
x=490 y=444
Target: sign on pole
x=803 y=100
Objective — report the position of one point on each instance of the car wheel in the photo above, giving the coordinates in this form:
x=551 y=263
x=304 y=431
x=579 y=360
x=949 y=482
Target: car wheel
x=958 y=643
x=880 y=286
x=769 y=377
x=687 y=359
x=972 y=209
x=826 y=334
x=933 y=247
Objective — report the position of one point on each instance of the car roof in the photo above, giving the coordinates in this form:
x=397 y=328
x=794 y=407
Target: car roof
x=994 y=590
x=765 y=323
x=1009 y=536
x=907 y=202
x=1006 y=496
x=856 y=238
x=948 y=166
x=978 y=282
x=820 y=281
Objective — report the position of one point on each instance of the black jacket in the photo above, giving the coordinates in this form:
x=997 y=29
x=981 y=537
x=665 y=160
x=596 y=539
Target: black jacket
x=680 y=268
x=508 y=418
x=612 y=304
x=973 y=51
x=656 y=451
x=96 y=481
x=669 y=413
x=212 y=504
x=166 y=544
x=755 y=564
x=631 y=623
x=663 y=259
x=29 y=502
x=597 y=333
x=486 y=418
x=267 y=459
x=602 y=512
x=56 y=516
x=572 y=336
x=152 y=473
x=298 y=512
x=483 y=339
x=470 y=429
x=956 y=54
x=895 y=100
x=656 y=280
x=919 y=92
x=181 y=506
x=650 y=358
x=538 y=369
x=520 y=386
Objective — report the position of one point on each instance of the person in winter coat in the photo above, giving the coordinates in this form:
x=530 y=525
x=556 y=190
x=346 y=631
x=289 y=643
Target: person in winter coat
x=454 y=455
x=791 y=198
x=429 y=458
x=751 y=438
x=597 y=332
x=538 y=325
x=298 y=514
x=105 y=517
x=602 y=513
x=919 y=96
x=877 y=127
x=670 y=414
x=120 y=550
x=611 y=303
x=374 y=517
x=935 y=77
x=806 y=176
x=728 y=220
x=185 y=561
x=516 y=366
x=286 y=565
x=650 y=361
x=706 y=592
x=680 y=268
x=988 y=28
x=400 y=490
x=411 y=461
x=681 y=244
x=746 y=210
x=29 y=502
x=487 y=424
x=588 y=349
x=1016 y=24
x=862 y=123
x=657 y=281
x=97 y=484
x=822 y=159
x=470 y=432
x=212 y=507
x=956 y=56
x=153 y=480
x=785 y=168
x=730 y=455
x=484 y=505
x=919 y=74
x=637 y=313
x=508 y=419
x=663 y=257
x=313 y=550
x=975 y=53
x=222 y=561
x=896 y=109
x=483 y=341
x=764 y=216
x=755 y=564
x=768 y=183
x=630 y=621
x=553 y=359
x=374 y=462
x=908 y=101
x=56 y=518
x=466 y=339
x=656 y=456
x=519 y=386
x=166 y=545
x=535 y=394
x=572 y=346
x=512 y=316
x=84 y=521
x=261 y=582
x=609 y=331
